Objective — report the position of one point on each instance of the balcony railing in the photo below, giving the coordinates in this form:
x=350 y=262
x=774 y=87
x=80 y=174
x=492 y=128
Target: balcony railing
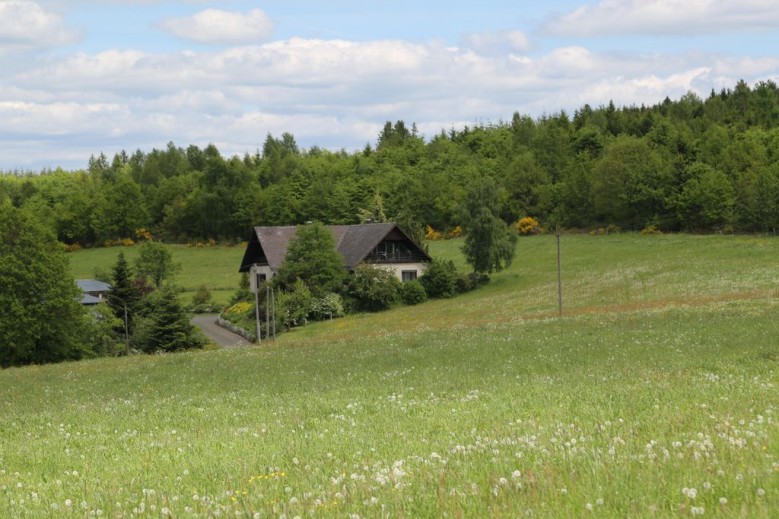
x=394 y=257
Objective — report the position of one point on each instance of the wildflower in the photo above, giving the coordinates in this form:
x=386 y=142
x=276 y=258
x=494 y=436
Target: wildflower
x=723 y=501
x=516 y=474
x=68 y=503
x=588 y=507
x=690 y=493
x=760 y=492
x=697 y=510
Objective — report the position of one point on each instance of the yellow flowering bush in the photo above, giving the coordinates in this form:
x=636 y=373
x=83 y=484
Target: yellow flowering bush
x=432 y=235
x=455 y=233
x=239 y=308
x=527 y=226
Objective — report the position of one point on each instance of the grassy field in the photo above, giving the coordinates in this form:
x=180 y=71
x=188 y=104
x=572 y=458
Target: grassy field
x=655 y=396
x=216 y=267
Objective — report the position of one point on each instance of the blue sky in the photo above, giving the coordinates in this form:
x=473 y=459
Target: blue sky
x=81 y=77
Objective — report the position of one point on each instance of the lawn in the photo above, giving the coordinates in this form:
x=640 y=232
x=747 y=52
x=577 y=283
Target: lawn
x=655 y=396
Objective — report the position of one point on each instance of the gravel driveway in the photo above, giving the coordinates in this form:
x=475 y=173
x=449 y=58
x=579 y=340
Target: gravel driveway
x=216 y=333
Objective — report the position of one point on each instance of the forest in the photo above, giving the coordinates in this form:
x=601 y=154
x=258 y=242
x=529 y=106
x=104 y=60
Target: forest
x=692 y=165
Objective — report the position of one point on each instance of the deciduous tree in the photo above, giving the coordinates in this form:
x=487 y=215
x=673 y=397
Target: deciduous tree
x=41 y=319
x=489 y=243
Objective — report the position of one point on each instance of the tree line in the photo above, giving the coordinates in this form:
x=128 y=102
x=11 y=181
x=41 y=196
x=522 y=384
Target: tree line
x=693 y=164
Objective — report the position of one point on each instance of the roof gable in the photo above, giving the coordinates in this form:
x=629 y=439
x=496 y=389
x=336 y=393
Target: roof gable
x=268 y=245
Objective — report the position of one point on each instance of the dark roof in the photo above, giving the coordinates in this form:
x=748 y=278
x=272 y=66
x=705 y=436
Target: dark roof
x=268 y=245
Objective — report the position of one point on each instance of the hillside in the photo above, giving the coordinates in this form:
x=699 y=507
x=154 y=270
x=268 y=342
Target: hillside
x=654 y=396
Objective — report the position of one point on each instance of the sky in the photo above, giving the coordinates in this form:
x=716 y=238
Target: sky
x=81 y=77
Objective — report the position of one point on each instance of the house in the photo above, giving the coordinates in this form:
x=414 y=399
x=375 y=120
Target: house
x=381 y=244
x=92 y=291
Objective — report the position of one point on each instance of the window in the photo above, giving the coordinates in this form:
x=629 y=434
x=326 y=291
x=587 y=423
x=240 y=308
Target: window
x=261 y=278
x=408 y=275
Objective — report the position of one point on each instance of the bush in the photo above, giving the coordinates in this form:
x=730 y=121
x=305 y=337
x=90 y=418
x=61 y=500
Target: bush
x=327 y=307
x=373 y=289
x=527 y=226
x=440 y=278
x=294 y=306
x=412 y=292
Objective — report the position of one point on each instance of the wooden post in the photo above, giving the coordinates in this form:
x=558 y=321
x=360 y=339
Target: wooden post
x=559 y=278
x=267 y=310
x=273 y=310
x=257 y=309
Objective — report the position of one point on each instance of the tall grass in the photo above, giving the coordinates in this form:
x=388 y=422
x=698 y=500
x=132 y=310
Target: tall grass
x=656 y=396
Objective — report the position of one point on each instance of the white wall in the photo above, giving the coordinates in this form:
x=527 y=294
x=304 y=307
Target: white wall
x=258 y=269
x=398 y=268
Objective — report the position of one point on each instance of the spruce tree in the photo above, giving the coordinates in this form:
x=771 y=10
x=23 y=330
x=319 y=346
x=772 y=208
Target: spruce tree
x=124 y=296
x=166 y=327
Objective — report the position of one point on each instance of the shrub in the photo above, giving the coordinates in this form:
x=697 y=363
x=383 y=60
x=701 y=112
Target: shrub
x=327 y=307
x=527 y=226
x=202 y=302
x=412 y=292
x=294 y=306
x=455 y=233
x=372 y=288
x=440 y=278
x=432 y=235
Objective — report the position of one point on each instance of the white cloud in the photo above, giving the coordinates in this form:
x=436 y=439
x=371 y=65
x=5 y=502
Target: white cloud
x=496 y=42
x=331 y=93
x=678 y=17
x=25 y=25
x=221 y=27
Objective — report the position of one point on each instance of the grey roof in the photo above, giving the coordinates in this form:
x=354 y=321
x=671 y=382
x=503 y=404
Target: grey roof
x=87 y=299
x=268 y=245
x=92 y=285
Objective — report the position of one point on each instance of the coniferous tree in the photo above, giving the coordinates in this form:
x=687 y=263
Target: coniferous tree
x=124 y=295
x=166 y=326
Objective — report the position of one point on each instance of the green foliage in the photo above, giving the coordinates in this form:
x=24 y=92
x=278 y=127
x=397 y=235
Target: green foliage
x=607 y=164
x=41 y=319
x=164 y=325
x=125 y=295
x=313 y=259
x=294 y=305
x=489 y=243
x=155 y=262
x=707 y=199
x=440 y=278
x=413 y=292
x=100 y=334
x=372 y=288
x=328 y=307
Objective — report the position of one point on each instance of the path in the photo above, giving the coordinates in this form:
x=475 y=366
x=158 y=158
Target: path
x=216 y=333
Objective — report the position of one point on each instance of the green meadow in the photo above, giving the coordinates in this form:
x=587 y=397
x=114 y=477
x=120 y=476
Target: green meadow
x=655 y=395
x=216 y=267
